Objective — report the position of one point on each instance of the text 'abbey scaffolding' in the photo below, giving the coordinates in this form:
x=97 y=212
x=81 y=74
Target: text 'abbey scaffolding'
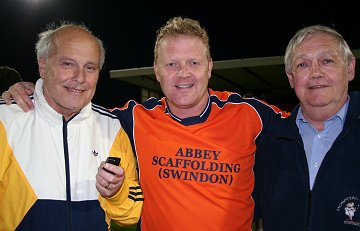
x=196 y=165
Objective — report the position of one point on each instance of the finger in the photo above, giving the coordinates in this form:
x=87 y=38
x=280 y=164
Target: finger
x=6 y=97
x=104 y=178
x=102 y=190
x=19 y=94
x=101 y=177
x=25 y=92
x=30 y=87
x=116 y=170
x=103 y=186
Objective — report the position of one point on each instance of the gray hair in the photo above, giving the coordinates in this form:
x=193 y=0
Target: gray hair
x=46 y=39
x=309 y=31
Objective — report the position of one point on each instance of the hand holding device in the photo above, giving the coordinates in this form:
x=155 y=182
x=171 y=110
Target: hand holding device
x=114 y=161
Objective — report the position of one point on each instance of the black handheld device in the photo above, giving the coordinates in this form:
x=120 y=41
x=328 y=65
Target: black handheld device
x=114 y=161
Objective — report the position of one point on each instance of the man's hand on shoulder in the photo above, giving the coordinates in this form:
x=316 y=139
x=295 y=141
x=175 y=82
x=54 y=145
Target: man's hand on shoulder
x=20 y=93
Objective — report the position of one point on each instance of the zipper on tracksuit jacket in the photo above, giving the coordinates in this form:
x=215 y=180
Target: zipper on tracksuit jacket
x=67 y=173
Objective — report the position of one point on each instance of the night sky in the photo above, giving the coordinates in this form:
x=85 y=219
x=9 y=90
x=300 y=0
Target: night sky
x=128 y=29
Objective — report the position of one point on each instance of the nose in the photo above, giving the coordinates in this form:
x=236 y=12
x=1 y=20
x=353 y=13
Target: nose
x=315 y=71
x=183 y=71
x=79 y=75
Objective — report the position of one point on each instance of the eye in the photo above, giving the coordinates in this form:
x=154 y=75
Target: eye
x=195 y=63
x=90 y=68
x=172 y=66
x=328 y=61
x=67 y=64
x=301 y=66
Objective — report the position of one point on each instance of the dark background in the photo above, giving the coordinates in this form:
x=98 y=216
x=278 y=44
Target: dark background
x=237 y=30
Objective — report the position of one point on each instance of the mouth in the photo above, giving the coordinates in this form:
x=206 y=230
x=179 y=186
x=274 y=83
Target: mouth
x=317 y=86
x=184 y=86
x=74 y=90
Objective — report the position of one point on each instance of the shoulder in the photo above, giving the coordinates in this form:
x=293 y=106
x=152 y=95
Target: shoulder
x=149 y=104
x=13 y=113
x=354 y=96
x=105 y=118
x=13 y=108
x=222 y=98
x=102 y=112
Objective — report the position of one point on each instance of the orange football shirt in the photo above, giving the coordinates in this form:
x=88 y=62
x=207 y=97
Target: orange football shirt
x=197 y=173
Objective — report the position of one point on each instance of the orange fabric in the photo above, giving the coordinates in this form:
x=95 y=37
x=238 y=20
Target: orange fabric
x=197 y=177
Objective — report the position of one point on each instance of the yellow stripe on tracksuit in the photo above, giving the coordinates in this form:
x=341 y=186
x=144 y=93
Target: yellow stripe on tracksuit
x=16 y=194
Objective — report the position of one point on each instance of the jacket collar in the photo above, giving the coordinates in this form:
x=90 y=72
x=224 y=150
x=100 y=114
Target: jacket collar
x=43 y=109
x=287 y=127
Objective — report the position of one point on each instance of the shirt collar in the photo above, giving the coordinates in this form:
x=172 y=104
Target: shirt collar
x=49 y=113
x=340 y=114
x=194 y=119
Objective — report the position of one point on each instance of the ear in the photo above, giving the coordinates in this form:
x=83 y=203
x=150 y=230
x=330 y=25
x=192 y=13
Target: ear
x=42 y=67
x=351 y=69
x=156 y=70
x=210 y=67
x=290 y=78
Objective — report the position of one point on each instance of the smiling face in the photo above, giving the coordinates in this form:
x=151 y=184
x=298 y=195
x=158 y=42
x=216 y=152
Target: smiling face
x=183 y=71
x=71 y=72
x=320 y=75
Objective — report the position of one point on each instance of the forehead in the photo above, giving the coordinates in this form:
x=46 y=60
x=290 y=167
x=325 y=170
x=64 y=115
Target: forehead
x=76 y=41
x=179 y=40
x=317 y=44
x=182 y=44
x=318 y=40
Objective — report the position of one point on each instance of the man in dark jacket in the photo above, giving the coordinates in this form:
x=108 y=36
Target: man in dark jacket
x=8 y=77
x=307 y=169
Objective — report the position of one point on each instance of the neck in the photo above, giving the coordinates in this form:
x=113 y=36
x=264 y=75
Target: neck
x=187 y=111
x=317 y=116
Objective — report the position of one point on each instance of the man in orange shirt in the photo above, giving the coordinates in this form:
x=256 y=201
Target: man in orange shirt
x=195 y=147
